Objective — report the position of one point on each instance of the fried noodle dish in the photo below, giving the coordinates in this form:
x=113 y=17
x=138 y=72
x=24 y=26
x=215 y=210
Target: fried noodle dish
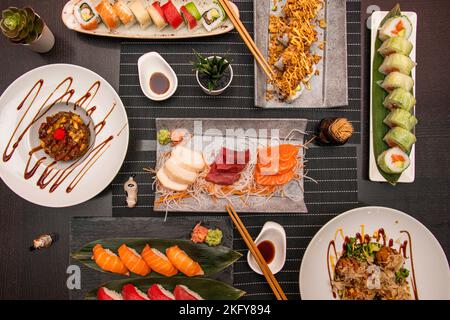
x=368 y=269
x=292 y=33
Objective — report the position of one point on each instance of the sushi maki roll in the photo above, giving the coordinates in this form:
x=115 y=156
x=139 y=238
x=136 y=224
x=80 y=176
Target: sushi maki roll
x=396 y=26
x=192 y=9
x=399 y=137
x=172 y=15
x=396 y=45
x=156 y=12
x=124 y=13
x=141 y=14
x=393 y=161
x=188 y=18
x=396 y=80
x=214 y=16
x=400 y=118
x=397 y=62
x=86 y=15
x=108 y=15
x=400 y=98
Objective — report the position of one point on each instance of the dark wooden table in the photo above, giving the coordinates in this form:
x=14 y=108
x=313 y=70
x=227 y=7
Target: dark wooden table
x=24 y=275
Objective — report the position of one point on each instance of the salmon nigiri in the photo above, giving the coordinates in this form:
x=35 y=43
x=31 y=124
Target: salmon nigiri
x=133 y=261
x=183 y=262
x=157 y=261
x=108 y=260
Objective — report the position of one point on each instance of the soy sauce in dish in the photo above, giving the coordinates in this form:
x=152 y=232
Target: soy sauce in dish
x=267 y=250
x=159 y=83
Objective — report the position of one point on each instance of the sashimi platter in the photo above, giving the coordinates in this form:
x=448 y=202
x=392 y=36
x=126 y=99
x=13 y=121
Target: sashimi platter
x=235 y=161
x=143 y=19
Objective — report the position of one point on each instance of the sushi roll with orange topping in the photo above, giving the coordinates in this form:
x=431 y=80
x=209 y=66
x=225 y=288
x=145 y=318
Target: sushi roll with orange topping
x=108 y=260
x=157 y=261
x=124 y=13
x=133 y=261
x=183 y=262
x=86 y=15
x=108 y=15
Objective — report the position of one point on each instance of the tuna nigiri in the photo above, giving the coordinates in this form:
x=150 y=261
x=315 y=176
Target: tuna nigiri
x=184 y=293
x=133 y=261
x=105 y=294
x=156 y=12
x=188 y=18
x=108 y=260
x=172 y=15
x=183 y=262
x=157 y=292
x=158 y=262
x=130 y=292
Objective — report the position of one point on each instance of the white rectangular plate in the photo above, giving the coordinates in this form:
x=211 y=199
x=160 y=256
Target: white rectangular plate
x=409 y=174
x=152 y=32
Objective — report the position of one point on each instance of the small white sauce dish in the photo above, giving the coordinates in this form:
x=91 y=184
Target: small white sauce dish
x=149 y=64
x=273 y=232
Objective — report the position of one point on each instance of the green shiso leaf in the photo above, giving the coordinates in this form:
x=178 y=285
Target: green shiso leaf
x=379 y=112
x=211 y=259
x=208 y=289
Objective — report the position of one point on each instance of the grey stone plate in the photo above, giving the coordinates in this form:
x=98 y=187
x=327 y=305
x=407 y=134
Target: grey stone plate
x=237 y=132
x=329 y=88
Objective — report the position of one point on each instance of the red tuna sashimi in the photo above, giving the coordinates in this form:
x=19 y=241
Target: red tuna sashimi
x=227 y=167
x=106 y=294
x=130 y=292
x=188 y=18
x=157 y=292
x=172 y=15
x=229 y=157
x=184 y=293
x=221 y=177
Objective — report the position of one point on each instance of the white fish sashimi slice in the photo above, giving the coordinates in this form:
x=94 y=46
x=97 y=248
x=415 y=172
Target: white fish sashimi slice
x=162 y=177
x=176 y=172
x=189 y=158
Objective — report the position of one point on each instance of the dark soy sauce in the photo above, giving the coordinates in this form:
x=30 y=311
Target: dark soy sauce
x=267 y=250
x=159 y=83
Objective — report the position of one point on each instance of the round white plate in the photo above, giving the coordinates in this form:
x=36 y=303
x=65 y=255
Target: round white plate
x=94 y=171
x=430 y=263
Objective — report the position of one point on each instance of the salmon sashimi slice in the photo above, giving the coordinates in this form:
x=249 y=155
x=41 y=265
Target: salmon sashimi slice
x=274 y=180
x=183 y=262
x=133 y=261
x=157 y=261
x=277 y=167
x=281 y=152
x=108 y=260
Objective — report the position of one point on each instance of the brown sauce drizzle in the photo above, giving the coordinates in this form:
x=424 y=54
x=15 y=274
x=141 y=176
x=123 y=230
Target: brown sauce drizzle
x=332 y=244
x=413 y=284
x=92 y=155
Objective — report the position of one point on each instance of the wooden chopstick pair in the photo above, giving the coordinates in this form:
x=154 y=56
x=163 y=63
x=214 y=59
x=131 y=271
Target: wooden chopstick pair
x=247 y=39
x=274 y=285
